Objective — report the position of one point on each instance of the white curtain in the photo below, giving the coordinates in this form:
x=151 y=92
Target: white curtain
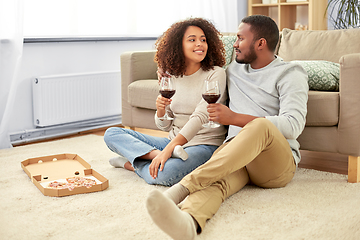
x=224 y=14
x=76 y=18
x=11 y=45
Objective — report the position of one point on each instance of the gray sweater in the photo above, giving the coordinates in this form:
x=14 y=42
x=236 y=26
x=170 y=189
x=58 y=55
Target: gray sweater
x=278 y=92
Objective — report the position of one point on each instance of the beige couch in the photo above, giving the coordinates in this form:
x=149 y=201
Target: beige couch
x=333 y=119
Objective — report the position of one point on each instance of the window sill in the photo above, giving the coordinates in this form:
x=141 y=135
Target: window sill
x=86 y=39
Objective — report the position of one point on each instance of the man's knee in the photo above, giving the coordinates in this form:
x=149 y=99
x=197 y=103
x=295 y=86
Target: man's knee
x=260 y=124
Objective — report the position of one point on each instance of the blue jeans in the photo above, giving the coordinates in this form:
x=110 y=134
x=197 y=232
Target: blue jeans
x=132 y=145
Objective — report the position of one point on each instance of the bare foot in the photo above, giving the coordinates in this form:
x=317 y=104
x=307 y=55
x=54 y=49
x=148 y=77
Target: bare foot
x=128 y=166
x=151 y=155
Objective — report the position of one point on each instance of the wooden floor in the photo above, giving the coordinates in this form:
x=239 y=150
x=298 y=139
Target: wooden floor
x=329 y=162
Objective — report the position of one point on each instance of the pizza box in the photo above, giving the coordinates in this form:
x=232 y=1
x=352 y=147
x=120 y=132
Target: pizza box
x=46 y=169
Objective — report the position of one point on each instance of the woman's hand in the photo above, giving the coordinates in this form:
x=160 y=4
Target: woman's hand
x=161 y=104
x=158 y=161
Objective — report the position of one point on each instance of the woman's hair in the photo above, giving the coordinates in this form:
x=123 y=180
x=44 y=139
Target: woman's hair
x=263 y=27
x=170 y=56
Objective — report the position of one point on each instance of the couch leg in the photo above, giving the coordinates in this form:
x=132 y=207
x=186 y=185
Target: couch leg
x=354 y=169
x=132 y=128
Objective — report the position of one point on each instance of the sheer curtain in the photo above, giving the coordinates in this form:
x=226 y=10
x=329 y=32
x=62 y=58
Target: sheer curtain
x=224 y=14
x=79 y=18
x=11 y=45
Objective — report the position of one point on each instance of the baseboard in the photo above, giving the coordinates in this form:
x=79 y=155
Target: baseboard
x=47 y=133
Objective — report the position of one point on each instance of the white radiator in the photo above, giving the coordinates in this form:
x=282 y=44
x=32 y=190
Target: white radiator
x=63 y=99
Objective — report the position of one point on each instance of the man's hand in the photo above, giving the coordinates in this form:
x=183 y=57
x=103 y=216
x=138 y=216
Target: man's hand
x=220 y=113
x=160 y=73
x=223 y=115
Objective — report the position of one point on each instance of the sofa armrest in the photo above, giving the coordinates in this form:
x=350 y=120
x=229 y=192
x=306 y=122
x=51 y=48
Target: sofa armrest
x=138 y=65
x=349 y=126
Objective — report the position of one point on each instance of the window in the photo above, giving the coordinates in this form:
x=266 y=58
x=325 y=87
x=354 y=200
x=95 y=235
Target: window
x=98 y=18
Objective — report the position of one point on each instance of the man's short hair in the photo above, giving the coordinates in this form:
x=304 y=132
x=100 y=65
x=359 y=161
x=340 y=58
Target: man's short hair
x=263 y=27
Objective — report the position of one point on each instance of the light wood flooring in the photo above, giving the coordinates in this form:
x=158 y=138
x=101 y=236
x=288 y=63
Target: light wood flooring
x=329 y=162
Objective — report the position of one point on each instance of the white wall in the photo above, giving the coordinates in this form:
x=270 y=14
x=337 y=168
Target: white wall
x=40 y=59
x=242 y=10
x=50 y=58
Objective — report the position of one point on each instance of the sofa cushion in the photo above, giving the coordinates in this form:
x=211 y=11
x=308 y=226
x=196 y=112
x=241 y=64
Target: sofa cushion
x=143 y=93
x=322 y=75
x=323 y=108
x=229 y=49
x=327 y=45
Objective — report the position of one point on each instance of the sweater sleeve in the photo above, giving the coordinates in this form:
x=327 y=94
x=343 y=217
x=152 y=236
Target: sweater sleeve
x=200 y=115
x=164 y=125
x=293 y=95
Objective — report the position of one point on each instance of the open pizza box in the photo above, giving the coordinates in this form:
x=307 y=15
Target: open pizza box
x=62 y=168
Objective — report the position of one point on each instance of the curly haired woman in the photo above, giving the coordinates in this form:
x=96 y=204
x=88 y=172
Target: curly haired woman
x=190 y=51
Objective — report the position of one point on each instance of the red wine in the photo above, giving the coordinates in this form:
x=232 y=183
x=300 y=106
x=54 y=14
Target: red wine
x=167 y=93
x=211 y=97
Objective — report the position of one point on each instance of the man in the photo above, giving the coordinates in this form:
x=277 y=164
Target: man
x=266 y=113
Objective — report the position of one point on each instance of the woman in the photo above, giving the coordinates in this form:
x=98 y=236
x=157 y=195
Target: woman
x=190 y=51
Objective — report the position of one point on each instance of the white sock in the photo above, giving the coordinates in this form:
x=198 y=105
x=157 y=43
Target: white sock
x=179 y=152
x=118 y=161
x=177 y=193
x=169 y=218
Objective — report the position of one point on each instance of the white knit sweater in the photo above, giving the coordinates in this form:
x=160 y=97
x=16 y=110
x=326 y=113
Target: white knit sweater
x=189 y=109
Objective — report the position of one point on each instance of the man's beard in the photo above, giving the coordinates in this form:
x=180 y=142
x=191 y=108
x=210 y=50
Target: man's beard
x=249 y=58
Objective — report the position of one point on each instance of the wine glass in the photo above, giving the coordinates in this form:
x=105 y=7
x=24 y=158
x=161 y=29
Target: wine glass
x=211 y=93
x=167 y=90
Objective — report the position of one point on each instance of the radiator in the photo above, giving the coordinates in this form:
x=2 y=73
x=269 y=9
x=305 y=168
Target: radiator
x=63 y=99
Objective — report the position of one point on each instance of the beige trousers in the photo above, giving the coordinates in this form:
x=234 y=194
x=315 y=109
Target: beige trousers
x=259 y=154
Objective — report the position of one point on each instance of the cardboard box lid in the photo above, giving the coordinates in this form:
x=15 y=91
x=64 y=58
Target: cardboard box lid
x=61 y=166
